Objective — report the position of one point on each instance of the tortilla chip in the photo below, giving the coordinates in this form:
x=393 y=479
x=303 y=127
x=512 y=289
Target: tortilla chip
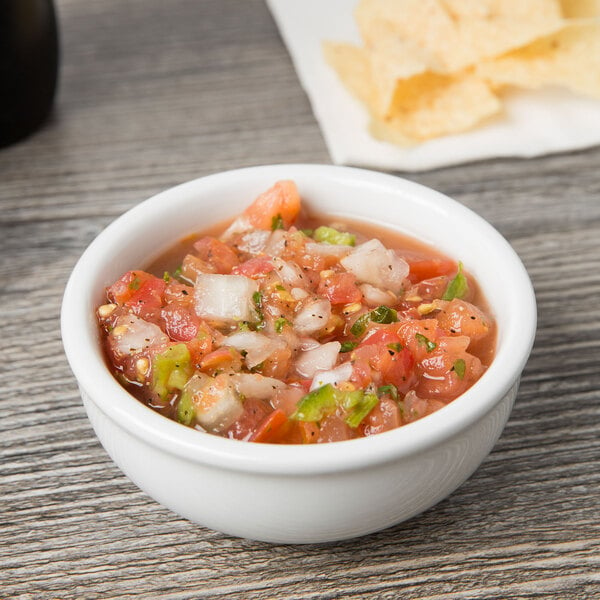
x=430 y=68
x=455 y=34
x=391 y=59
x=580 y=9
x=353 y=68
x=570 y=59
x=431 y=105
x=424 y=106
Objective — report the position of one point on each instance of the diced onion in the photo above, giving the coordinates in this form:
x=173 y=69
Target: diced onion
x=308 y=343
x=299 y=293
x=321 y=358
x=373 y=296
x=241 y=224
x=289 y=272
x=216 y=401
x=318 y=249
x=254 y=385
x=373 y=263
x=312 y=316
x=225 y=297
x=276 y=243
x=254 y=241
x=341 y=373
x=131 y=335
x=258 y=347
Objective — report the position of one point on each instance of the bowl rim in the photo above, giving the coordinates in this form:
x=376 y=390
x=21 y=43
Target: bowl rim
x=96 y=381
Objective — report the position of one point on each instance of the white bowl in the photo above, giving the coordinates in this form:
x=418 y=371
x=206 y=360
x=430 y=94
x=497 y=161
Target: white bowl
x=321 y=492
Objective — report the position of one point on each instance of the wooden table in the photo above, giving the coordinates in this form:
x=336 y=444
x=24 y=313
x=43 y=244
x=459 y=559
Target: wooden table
x=155 y=93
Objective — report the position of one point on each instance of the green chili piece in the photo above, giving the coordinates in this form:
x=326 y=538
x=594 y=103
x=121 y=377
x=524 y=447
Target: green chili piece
x=257 y=301
x=171 y=370
x=323 y=401
x=177 y=274
x=395 y=346
x=384 y=314
x=277 y=222
x=360 y=325
x=361 y=410
x=317 y=404
x=348 y=346
x=459 y=367
x=390 y=389
x=458 y=287
x=329 y=235
x=135 y=283
x=280 y=324
x=185 y=409
x=350 y=400
x=429 y=345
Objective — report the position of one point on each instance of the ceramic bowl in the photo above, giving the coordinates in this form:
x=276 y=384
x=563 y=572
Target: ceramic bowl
x=321 y=492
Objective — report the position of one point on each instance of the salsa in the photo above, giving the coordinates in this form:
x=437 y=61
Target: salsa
x=295 y=329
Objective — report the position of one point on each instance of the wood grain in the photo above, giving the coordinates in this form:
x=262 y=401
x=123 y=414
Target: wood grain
x=154 y=93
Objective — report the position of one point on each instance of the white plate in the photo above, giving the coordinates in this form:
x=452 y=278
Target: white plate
x=533 y=123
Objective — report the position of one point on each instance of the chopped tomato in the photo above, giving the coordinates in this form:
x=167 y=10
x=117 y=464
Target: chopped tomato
x=221 y=358
x=271 y=429
x=362 y=372
x=254 y=268
x=180 y=293
x=280 y=201
x=193 y=265
x=385 y=416
x=334 y=429
x=420 y=337
x=305 y=384
x=132 y=285
x=181 y=323
x=463 y=318
x=217 y=254
x=414 y=408
x=421 y=269
x=278 y=363
x=139 y=291
x=287 y=399
x=398 y=369
x=201 y=345
x=255 y=412
x=309 y=432
x=340 y=288
x=383 y=335
x=428 y=289
x=448 y=370
x=314 y=262
x=381 y=359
